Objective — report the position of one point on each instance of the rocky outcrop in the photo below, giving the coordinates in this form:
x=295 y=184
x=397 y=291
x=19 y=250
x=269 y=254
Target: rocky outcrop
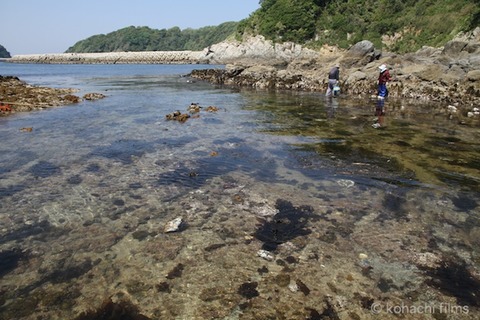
x=19 y=96
x=450 y=74
x=257 y=50
x=360 y=54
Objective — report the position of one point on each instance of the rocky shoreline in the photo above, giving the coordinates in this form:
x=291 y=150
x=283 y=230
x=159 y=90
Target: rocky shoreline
x=449 y=74
x=18 y=96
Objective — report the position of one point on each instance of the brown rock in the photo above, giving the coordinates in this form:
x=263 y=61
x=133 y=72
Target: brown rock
x=473 y=75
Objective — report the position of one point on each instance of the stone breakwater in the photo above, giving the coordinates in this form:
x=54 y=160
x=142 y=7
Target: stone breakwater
x=146 y=57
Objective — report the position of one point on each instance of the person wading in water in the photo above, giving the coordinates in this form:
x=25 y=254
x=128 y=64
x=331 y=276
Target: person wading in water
x=383 y=78
x=333 y=77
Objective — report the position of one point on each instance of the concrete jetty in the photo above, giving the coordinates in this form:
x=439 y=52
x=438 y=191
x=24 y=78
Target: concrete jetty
x=146 y=57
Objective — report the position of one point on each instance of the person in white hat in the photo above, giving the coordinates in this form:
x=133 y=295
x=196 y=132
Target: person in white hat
x=383 y=78
x=333 y=77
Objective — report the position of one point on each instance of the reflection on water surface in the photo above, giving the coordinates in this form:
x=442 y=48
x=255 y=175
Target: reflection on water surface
x=294 y=206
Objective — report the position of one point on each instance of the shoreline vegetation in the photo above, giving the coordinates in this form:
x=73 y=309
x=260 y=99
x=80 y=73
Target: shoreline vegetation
x=449 y=75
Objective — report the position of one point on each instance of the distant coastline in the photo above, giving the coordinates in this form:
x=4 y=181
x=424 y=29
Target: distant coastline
x=448 y=74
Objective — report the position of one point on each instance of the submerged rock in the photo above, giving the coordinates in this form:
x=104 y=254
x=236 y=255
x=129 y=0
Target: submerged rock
x=176 y=272
x=174 y=225
x=265 y=255
x=248 y=290
x=93 y=96
x=346 y=183
x=194 y=107
x=178 y=116
x=114 y=310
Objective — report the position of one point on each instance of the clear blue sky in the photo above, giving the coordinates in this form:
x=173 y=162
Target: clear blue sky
x=52 y=26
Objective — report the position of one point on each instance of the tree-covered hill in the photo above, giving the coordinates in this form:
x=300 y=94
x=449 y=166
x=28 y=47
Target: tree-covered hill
x=397 y=25
x=147 y=39
x=4 y=53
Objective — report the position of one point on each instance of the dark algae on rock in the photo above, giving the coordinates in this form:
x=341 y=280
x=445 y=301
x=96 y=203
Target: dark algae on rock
x=290 y=222
x=9 y=260
x=109 y=310
x=454 y=278
x=248 y=290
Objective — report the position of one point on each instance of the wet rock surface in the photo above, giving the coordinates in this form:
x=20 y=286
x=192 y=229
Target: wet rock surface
x=22 y=97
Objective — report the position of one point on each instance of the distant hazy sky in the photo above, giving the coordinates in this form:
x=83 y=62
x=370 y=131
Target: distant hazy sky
x=52 y=26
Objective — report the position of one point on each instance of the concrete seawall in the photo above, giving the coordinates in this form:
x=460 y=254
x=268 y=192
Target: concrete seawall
x=254 y=50
x=147 y=57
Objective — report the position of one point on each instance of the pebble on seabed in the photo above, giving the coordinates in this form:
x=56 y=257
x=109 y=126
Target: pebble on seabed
x=363 y=256
x=173 y=225
x=265 y=255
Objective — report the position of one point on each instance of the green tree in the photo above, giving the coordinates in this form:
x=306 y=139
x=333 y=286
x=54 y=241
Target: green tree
x=284 y=20
x=345 y=22
x=147 y=39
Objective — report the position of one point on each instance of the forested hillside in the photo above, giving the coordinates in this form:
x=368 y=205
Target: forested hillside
x=147 y=39
x=4 y=53
x=396 y=25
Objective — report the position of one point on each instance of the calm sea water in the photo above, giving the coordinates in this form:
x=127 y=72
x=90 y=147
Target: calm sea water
x=348 y=215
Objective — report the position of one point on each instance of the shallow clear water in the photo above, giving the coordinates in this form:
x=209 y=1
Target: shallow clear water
x=355 y=217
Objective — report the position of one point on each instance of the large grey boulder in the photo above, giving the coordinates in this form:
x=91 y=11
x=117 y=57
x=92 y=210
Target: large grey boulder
x=474 y=61
x=356 y=76
x=454 y=47
x=473 y=75
x=361 y=48
x=360 y=54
